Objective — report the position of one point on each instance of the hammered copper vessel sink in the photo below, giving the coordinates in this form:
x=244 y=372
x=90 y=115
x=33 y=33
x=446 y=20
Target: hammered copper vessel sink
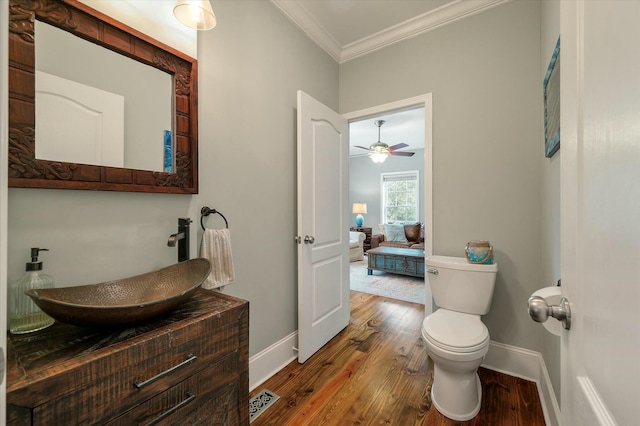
x=126 y=301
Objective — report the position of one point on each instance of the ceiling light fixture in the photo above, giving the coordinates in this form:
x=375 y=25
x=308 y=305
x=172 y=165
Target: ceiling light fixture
x=196 y=14
x=380 y=151
x=378 y=157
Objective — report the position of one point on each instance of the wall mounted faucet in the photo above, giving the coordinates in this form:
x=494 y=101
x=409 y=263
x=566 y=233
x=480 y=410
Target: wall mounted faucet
x=182 y=238
x=173 y=238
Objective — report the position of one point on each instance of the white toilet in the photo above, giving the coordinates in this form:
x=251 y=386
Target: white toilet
x=455 y=337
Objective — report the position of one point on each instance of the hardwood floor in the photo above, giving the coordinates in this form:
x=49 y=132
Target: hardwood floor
x=376 y=371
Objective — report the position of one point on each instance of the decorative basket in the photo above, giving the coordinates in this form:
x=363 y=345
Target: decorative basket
x=479 y=252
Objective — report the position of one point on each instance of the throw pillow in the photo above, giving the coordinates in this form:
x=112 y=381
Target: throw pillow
x=395 y=232
x=412 y=231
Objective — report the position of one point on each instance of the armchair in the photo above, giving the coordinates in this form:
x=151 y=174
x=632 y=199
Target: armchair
x=356 y=246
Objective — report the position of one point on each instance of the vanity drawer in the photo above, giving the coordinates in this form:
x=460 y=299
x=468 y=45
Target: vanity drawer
x=205 y=398
x=128 y=377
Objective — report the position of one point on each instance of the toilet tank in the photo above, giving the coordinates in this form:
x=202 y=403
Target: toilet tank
x=461 y=286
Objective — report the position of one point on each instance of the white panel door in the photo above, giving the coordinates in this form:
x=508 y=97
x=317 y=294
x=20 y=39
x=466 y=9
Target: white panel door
x=323 y=215
x=77 y=123
x=600 y=148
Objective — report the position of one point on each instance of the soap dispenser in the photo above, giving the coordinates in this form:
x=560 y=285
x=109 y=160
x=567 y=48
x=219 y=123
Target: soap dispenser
x=26 y=316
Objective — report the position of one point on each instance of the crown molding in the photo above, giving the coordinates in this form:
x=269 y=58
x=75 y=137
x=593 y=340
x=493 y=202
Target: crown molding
x=443 y=15
x=415 y=26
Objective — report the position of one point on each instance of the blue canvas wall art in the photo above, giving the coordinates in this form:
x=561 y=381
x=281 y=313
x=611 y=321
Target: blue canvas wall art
x=168 y=152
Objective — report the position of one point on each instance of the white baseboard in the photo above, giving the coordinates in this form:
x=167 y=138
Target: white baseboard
x=507 y=359
x=268 y=362
x=528 y=365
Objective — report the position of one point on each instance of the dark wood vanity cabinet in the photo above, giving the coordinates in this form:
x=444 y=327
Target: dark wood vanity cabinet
x=188 y=367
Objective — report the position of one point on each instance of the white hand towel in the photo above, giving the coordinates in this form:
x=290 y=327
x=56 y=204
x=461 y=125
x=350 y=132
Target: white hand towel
x=216 y=247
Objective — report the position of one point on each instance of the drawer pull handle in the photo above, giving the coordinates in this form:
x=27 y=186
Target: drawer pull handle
x=190 y=397
x=138 y=384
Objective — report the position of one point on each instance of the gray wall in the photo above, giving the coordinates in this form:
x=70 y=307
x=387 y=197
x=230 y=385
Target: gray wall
x=484 y=74
x=250 y=67
x=364 y=183
x=550 y=180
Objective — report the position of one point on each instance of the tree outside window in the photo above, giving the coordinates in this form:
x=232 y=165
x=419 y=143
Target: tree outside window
x=400 y=197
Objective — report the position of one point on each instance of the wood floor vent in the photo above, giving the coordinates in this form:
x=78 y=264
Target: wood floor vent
x=259 y=403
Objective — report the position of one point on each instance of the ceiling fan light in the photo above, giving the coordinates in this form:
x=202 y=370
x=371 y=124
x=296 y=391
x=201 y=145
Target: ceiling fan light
x=379 y=157
x=197 y=14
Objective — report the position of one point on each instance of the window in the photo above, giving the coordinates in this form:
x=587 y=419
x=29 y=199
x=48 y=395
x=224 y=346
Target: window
x=400 y=196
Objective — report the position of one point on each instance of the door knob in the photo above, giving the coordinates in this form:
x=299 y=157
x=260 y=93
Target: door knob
x=540 y=311
x=309 y=240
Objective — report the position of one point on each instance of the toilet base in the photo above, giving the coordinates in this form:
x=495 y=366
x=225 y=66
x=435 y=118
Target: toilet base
x=455 y=398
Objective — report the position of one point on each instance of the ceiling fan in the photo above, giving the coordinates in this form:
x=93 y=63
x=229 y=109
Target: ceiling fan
x=380 y=151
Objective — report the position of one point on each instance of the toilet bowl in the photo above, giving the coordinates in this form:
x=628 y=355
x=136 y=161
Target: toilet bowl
x=457 y=344
x=455 y=337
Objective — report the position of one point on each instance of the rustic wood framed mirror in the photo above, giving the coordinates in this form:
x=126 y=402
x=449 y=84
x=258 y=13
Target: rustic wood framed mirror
x=179 y=143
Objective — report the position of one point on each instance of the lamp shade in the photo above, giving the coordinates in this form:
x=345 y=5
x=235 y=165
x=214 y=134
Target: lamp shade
x=360 y=208
x=197 y=14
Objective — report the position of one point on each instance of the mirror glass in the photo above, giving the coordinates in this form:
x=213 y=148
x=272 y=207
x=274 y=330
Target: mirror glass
x=91 y=107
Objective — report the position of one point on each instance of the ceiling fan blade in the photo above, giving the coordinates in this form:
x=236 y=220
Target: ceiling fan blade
x=402 y=153
x=398 y=146
x=362 y=147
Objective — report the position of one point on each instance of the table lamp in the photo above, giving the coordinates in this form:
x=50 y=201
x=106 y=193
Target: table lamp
x=360 y=208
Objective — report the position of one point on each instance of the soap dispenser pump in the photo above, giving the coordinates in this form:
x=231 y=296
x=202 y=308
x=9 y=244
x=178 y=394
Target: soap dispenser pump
x=26 y=317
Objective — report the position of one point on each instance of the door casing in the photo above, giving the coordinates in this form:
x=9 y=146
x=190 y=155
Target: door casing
x=424 y=101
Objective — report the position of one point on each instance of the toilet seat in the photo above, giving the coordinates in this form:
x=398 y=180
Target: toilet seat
x=455 y=331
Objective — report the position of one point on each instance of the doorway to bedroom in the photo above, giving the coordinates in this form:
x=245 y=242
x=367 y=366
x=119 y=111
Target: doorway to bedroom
x=396 y=189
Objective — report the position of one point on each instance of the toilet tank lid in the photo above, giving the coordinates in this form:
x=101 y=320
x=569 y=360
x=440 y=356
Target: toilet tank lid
x=459 y=263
